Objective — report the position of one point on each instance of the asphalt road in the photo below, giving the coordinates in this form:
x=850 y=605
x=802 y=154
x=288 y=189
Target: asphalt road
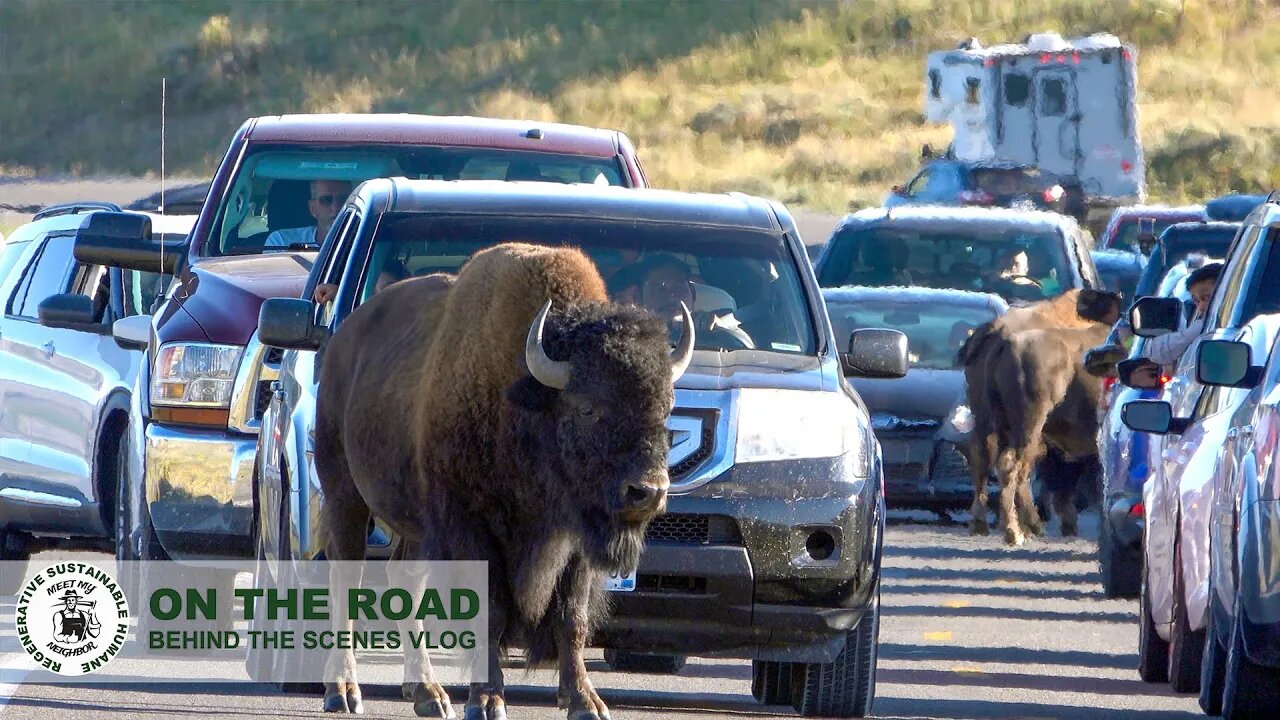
x=971 y=629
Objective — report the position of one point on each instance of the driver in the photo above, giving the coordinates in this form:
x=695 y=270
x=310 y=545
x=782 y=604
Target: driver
x=663 y=282
x=1017 y=268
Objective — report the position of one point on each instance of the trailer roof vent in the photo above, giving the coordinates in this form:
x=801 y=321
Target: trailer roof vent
x=1046 y=42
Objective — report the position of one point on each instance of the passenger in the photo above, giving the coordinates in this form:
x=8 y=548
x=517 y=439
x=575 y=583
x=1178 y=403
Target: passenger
x=1168 y=349
x=327 y=197
x=393 y=271
x=664 y=282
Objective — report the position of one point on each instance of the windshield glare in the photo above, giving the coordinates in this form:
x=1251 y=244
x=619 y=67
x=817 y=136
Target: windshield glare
x=287 y=198
x=742 y=286
x=1015 y=264
x=934 y=332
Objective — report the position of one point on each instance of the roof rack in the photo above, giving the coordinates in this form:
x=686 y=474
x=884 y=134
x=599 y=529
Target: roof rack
x=75 y=208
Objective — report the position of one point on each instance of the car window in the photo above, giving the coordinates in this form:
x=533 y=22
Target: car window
x=1013 y=262
x=49 y=274
x=336 y=263
x=743 y=286
x=918 y=183
x=1172 y=251
x=944 y=181
x=1231 y=284
x=272 y=199
x=1008 y=181
x=934 y=332
x=10 y=253
x=1263 y=286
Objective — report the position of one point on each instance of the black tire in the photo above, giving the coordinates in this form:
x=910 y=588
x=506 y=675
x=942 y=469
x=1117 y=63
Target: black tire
x=14 y=553
x=1213 y=668
x=1251 y=690
x=1121 y=569
x=620 y=661
x=1186 y=647
x=131 y=548
x=1153 y=653
x=846 y=687
x=771 y=682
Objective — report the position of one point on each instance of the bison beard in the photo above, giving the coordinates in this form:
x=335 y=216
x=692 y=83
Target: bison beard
x=478 y=432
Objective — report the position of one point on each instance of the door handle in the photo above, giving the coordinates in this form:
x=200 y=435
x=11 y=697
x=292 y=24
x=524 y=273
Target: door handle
x=48 y=349
x=1246 y=431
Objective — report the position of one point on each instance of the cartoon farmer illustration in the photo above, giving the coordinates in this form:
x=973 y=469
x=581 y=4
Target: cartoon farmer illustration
x=71 y=624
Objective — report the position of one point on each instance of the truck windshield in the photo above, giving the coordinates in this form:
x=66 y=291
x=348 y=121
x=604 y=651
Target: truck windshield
x=1015 y=263
x=284 y=198
x=742 y=286
x=1175 y=247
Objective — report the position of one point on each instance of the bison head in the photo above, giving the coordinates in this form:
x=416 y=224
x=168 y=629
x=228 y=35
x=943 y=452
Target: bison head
x=1098 y=306
x=594 y=409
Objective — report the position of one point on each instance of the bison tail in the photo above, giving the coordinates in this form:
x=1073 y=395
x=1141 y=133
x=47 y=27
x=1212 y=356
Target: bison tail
x=973 y=344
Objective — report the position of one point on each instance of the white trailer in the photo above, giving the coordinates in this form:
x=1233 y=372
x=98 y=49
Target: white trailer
x=1067 y=107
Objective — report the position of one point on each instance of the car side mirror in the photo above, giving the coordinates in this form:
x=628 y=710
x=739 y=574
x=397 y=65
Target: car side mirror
x=926 y=151
x=123 y=240
x=1139 y=373
x=133 y=332
x=67 y=310
x=1155 y=316
x=897 y=190
x=876 y=353
x=1152 y=416
x=289 y=323
x=1226 y=363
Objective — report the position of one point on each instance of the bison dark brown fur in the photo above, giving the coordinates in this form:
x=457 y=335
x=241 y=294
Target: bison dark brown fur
x=430 y=418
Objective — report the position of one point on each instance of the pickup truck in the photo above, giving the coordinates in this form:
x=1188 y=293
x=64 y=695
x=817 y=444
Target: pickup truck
x=206 y=380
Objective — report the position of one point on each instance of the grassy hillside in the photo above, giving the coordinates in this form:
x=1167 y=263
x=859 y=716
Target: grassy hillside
x=816 y=103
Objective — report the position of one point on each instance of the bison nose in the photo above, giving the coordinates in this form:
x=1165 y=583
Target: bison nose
x=642 y=495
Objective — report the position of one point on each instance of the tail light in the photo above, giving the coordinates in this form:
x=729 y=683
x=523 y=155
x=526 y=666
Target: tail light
x=1107 y=384
x=1053 y=194
x=1137 y=510
x=977 y=197
x=1164 y=380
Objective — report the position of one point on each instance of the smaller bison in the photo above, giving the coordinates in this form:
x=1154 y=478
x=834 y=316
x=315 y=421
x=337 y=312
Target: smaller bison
x=511 y=415
x=1027 y=386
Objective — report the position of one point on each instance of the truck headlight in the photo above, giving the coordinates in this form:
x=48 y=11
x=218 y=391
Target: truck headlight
x=196 y=375
x=793 y=424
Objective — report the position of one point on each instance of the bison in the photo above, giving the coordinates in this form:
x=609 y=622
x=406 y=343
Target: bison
x=1026 y=385
x=509 y=414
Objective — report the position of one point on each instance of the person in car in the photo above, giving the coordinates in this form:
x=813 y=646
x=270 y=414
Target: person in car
x=661 y=283
x=326 y=198
x=1169 y=348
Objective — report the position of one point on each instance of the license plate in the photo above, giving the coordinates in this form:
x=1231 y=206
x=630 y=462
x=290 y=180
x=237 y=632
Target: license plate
x=620 y=583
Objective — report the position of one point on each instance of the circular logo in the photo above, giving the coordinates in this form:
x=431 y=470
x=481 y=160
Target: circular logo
x=72 y=618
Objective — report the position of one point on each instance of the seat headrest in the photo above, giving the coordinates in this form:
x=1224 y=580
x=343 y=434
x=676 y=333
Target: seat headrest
x=287 y=205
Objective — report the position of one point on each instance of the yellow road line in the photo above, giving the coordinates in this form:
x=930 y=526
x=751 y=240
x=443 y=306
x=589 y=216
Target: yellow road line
x=938 y=636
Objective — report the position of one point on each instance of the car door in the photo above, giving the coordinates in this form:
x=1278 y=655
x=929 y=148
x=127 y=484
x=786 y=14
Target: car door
x=68 y=370
x=1057 y=138
x=15 y=256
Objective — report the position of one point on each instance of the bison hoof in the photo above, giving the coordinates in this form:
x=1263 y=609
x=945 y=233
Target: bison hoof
x=493 y=712
x=1014 y=537
x=1069 y=530
x=349 y=703
x=979 y=527
x=427 y=704
x=589 y=715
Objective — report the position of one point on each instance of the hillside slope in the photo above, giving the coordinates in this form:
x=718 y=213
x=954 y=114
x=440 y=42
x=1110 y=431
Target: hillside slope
x=816 y=103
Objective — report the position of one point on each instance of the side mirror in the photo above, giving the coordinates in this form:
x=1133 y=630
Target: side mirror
x=1139 y=373
x=1226 y=363
x=123 y=240
x=287 y=323
x=897 y=190
x=1155 y=316
x=926 y=151
x=133 y=332
x=1152 y=416
x=65 y=311
x=876 y=353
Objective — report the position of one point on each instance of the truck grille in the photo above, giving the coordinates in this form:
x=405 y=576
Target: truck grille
x=671 y=584
x=706 y=443
x=693 y=530
x=263 y=399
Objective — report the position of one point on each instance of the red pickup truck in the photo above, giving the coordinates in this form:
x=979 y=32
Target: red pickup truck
x=200 y=394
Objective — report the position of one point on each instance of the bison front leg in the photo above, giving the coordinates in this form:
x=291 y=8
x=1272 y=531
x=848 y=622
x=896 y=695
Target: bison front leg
x=487 y=700
x=573 y=607
x=1014 y=469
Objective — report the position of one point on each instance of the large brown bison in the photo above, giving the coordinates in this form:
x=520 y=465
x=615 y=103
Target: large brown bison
x=512 y=415
x=1026 y=387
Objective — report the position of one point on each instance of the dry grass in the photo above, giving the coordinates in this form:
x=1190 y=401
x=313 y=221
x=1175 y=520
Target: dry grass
x=815 y=103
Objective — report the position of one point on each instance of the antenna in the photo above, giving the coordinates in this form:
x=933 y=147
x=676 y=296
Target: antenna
x=160 y=286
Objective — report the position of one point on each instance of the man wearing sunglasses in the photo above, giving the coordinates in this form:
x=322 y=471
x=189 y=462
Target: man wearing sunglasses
x=326 y=199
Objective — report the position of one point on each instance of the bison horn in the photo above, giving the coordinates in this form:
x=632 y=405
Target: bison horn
x=683 y=354
x=552 y=373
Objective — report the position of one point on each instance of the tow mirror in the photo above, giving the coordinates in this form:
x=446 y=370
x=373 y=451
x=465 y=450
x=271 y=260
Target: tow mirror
x=876 y=353
x=288 y=323
x=123 y=240
x=1155 y=316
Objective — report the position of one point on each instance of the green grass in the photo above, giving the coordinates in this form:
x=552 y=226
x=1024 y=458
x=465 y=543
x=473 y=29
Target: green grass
x=815 y=103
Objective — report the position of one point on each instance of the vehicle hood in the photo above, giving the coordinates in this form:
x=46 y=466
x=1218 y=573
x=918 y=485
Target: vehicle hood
x=759 y=369
x=921 y=395
x=223 y=295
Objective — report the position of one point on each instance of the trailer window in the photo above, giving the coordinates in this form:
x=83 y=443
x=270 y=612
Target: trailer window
x=935 y=84
x=1017 y=88
x=1054 y=101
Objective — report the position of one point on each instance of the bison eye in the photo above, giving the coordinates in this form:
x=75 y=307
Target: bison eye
x=586 y=412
